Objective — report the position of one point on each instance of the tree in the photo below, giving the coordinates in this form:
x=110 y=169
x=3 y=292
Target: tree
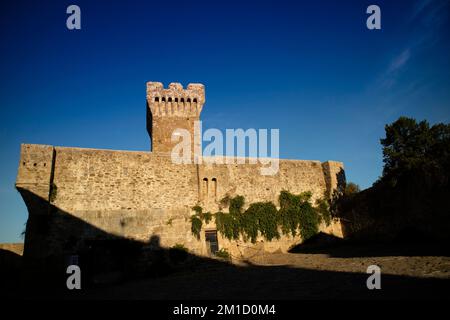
x=351 y=188
x=410 y=147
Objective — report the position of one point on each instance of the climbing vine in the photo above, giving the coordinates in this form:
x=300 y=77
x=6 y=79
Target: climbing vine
x=197 y=220
x=296 y=216
x=196 y=226
x=323 y=208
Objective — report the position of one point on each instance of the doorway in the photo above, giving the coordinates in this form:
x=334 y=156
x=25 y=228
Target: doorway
x=212 y=244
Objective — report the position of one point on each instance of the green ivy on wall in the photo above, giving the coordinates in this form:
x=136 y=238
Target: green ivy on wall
x=296 y=216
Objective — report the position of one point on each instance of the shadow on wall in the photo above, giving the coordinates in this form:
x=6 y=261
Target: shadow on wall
x=10 y=268
x=111 y=266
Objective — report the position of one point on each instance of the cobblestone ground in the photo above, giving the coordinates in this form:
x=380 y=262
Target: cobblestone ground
x=338 y=273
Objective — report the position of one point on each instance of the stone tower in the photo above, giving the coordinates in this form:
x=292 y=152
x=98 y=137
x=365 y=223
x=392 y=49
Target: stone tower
x=170 y=109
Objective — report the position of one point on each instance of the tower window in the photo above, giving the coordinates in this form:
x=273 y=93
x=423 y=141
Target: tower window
x=176 y=99
x=170 y=99
x=205 y=188
x=188 y=99
x=214 y=188
x=156 y=99
x=182 y=100
x=195 y=100
x=163 y=99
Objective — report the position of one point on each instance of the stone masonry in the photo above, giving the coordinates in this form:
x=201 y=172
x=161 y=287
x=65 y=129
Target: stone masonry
x=75 y=194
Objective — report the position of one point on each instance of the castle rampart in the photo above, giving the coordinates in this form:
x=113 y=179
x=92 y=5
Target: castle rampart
x=75 y=195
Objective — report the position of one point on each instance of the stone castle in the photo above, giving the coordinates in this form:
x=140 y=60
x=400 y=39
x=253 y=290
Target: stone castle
x=76 y=196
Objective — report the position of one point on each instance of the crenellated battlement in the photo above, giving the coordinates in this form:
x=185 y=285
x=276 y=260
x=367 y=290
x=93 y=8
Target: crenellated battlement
x=78 y=197
x=175 y=101
x=172 y=108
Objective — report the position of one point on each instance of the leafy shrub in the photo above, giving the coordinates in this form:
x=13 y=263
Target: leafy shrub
x=179 y=246
x=223 y=254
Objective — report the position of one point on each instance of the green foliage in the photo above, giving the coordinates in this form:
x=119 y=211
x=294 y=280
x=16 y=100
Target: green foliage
x=288 y=199
x=342 y=201
x=410 y=147
x=296 y=216
x=204 y=216
x=179 y=246
x=262 y=217
x=198 y=210
x=236 y=205
x=411 y=197
x=308 y=221
x=196 y=226
x=351 y=188
x=223 y=254
x=197 y=220
x=297 y=213
x=228 y=225
x=323 y=209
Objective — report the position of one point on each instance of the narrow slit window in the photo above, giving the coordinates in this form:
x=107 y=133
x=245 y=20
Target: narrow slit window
x=214 y=188
x=205 y=188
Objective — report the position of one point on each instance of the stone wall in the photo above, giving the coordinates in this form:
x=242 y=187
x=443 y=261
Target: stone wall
x=16 y=248
x=96 y=194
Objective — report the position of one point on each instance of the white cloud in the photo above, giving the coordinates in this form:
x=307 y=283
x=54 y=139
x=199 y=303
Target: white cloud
x=399 y=61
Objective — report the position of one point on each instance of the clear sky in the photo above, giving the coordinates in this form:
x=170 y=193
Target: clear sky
x=310 y=68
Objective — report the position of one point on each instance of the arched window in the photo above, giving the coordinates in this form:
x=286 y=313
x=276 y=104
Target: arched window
x=205 y=188
x=214 y=188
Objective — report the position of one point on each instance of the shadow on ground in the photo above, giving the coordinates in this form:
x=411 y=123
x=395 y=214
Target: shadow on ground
x=338 y=248
x=118 y=268
x=186 y=276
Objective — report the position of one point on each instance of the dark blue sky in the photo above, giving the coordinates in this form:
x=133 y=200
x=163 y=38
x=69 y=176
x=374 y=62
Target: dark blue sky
x=310 y=68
